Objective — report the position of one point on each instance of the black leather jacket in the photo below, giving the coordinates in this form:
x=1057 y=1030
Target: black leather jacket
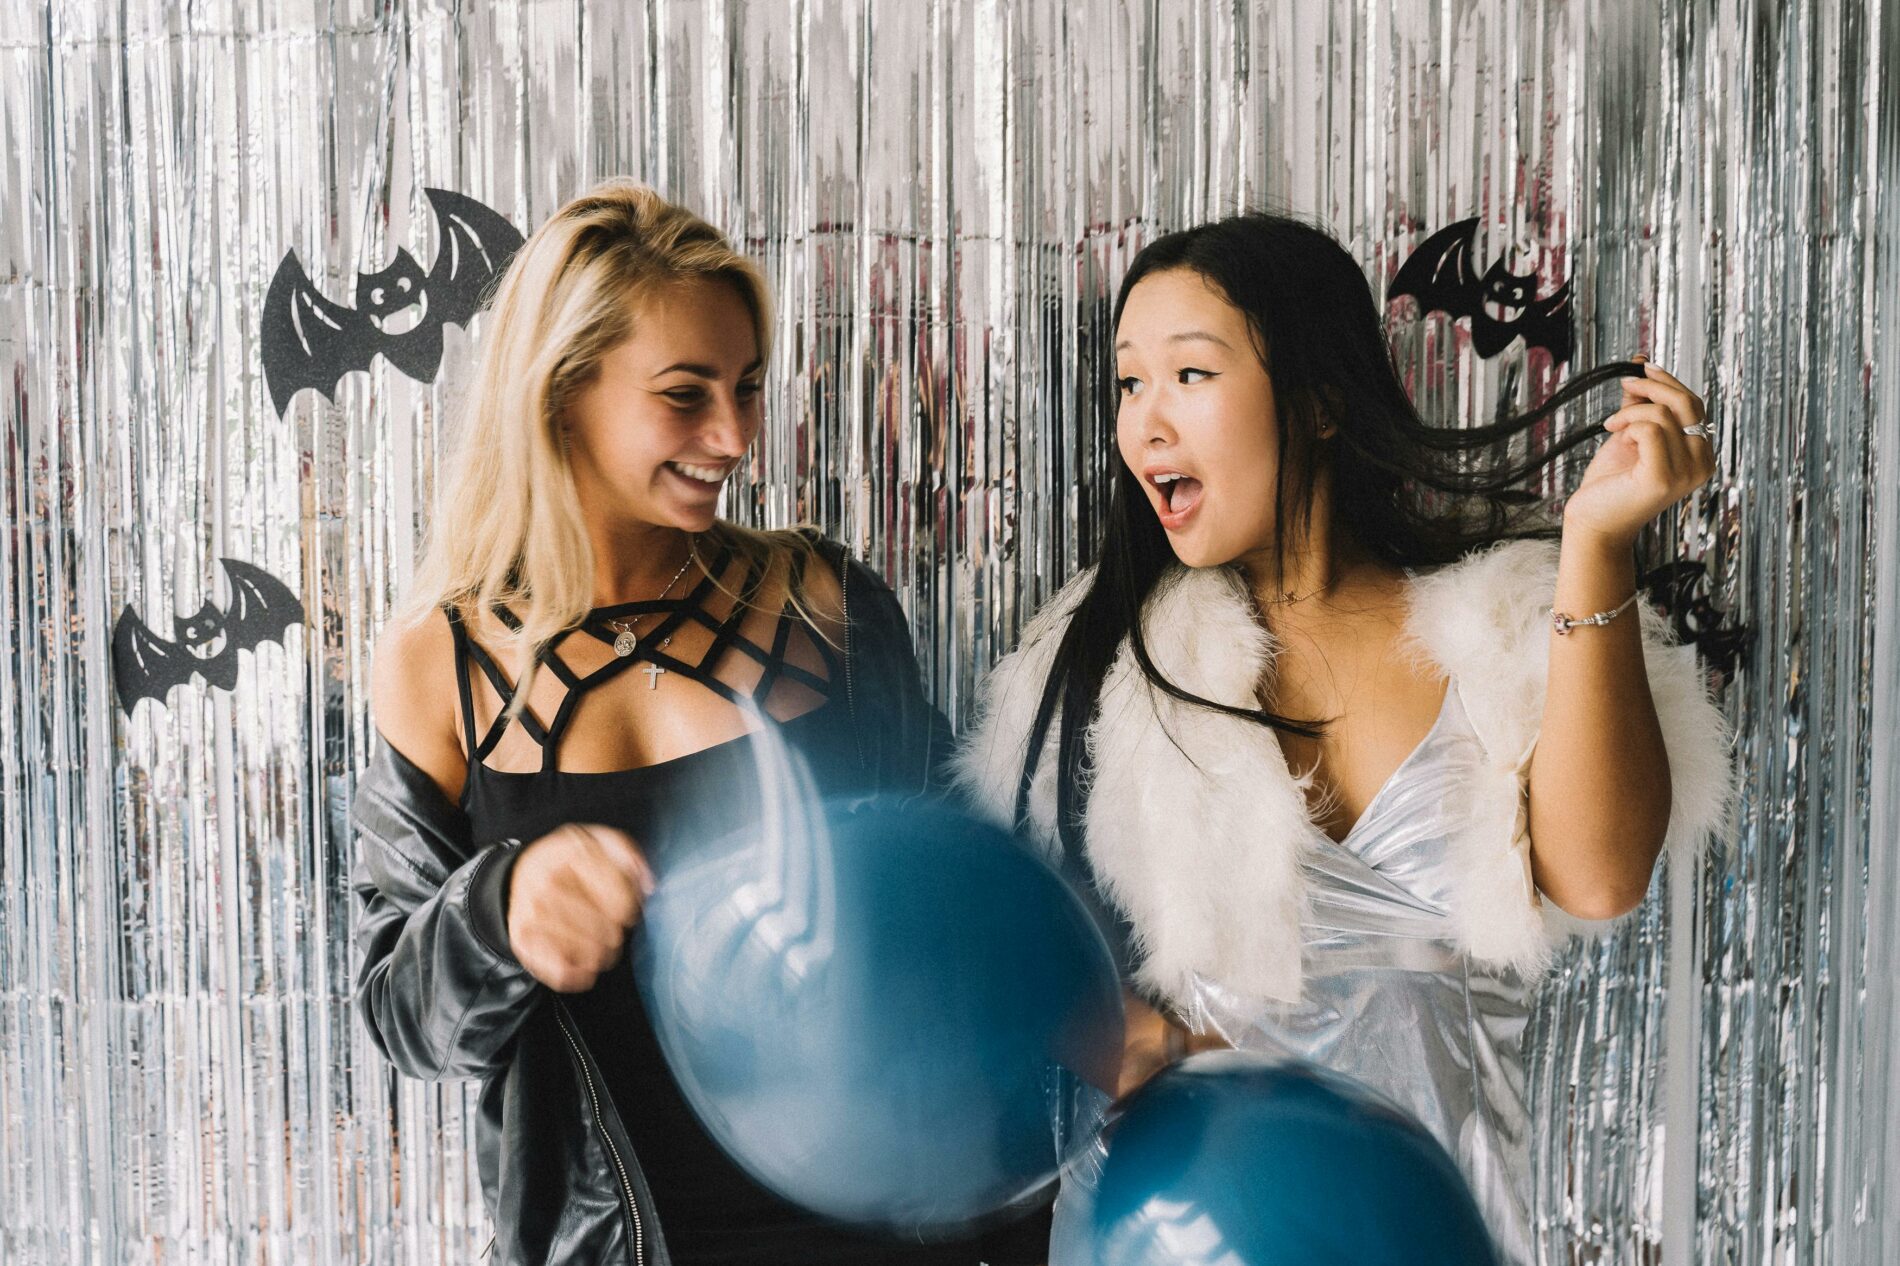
x=443 y=997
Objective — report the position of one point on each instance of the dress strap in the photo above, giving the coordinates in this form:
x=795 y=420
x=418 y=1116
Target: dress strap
x=459 y=634
x=469 y=651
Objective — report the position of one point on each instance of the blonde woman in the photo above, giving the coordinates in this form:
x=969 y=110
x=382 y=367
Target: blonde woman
x=564 y=700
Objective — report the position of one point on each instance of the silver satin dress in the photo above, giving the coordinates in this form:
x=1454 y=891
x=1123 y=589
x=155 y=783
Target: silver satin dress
x=1391 y=1000
x=1389 y=997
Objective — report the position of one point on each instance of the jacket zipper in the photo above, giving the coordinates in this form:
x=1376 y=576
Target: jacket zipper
x=626 y=1186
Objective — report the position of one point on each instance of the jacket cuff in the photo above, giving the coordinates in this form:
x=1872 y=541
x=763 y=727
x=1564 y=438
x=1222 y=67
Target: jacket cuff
x=487 y=898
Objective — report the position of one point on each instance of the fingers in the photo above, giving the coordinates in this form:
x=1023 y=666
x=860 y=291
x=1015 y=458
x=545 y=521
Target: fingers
x=1661 y=387
x=618 y=850
x=1657 y=373
x=567 y=943
x=573 y=895
x=1662 y=446
x=1628 y=397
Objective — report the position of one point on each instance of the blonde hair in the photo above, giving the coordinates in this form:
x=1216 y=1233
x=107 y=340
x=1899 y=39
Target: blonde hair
x=508 y=527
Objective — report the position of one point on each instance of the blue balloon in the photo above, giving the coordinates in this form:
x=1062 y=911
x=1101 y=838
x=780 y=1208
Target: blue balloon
x=1233 y=1159
x=874 y=1010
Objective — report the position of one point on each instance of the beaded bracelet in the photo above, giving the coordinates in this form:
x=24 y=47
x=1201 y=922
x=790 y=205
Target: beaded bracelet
x=1563 y=623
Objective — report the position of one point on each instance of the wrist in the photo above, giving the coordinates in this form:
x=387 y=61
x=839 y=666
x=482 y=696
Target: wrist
x=491 y=886
x=1610 y=550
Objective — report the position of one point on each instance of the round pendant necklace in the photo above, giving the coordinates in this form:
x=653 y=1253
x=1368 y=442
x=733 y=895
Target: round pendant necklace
x=626 y=641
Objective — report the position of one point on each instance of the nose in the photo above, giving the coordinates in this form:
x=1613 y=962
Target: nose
x=731 y=424
x=1152 y=425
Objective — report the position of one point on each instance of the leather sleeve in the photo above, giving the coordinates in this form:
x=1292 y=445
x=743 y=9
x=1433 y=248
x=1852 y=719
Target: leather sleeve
x=438 y=989
x=904 y=740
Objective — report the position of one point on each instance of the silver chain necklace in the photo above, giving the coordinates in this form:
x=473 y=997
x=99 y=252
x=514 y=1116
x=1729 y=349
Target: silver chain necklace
x=627 y=641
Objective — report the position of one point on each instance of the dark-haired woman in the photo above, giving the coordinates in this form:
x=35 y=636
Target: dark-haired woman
x=1337 y=734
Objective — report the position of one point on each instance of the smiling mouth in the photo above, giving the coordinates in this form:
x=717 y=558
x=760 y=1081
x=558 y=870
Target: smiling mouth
x=707 y=476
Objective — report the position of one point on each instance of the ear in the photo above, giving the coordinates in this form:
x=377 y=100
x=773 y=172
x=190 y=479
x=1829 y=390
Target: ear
x=1331 y=406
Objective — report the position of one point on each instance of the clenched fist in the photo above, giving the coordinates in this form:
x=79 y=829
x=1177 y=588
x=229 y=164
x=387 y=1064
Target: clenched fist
x=572 y=897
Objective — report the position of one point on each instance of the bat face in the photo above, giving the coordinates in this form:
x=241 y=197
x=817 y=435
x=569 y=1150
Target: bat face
x=395 y=300
x=205 y=643
x=1507 y=292
x=201 y=633
x=309 y=340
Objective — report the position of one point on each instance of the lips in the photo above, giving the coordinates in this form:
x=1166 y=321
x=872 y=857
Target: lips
x=706 y=478
x=1179 y=494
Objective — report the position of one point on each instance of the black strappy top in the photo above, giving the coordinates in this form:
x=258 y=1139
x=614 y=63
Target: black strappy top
x=710 y=1211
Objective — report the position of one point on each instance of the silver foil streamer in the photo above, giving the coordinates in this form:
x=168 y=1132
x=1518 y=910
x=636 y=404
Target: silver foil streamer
x=944 y=196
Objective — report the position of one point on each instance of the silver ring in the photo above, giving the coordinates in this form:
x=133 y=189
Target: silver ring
x=1701 y=430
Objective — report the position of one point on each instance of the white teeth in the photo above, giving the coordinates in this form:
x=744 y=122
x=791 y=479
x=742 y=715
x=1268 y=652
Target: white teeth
x=705 y=474
x=1168 y=479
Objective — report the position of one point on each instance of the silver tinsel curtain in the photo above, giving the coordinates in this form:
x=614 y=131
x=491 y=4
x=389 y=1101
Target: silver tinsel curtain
x=944 y=194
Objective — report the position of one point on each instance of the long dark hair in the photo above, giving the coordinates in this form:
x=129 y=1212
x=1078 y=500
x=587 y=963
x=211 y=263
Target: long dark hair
x=1404 y=493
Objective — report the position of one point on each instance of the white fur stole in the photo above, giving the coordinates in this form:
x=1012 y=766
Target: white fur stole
x=1195 y=827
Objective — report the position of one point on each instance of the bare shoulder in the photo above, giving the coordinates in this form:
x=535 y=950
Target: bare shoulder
x=824 y=595
x=412 y=697
x=801 y=574
x=821 y=594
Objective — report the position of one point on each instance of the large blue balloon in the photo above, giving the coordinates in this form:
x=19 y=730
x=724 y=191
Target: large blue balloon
x=1231 y=1159
x=874 y=1010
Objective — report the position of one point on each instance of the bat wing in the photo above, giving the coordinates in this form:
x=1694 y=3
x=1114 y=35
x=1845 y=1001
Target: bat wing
x=260 y=609
x=145 y=665
x=1546 y=323
x=473 y=247
x=1439 y=274
x=307 y=340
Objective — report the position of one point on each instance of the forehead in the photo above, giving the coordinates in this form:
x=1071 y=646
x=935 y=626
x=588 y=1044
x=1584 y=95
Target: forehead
x=1165 y=305
x=704 y=320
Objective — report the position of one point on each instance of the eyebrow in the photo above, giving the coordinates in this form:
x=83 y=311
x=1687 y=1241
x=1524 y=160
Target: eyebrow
x=1186 y=336
x=703 y=371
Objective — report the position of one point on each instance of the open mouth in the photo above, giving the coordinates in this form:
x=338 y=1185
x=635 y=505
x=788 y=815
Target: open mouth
x=1180 y=494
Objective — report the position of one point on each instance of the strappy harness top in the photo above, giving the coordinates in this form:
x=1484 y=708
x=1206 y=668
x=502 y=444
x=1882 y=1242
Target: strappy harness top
x=710 y=1210
x=649 y=653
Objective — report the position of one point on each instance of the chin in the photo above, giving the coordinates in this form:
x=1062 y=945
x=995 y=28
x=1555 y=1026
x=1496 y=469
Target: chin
x=1197 y=553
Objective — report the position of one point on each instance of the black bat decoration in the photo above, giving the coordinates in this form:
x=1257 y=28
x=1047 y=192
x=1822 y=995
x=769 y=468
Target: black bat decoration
x=1502 y=305
x=146 y=666
x=308 y=341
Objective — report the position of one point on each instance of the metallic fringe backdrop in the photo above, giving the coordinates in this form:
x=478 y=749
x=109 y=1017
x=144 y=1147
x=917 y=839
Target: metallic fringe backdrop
x=943 y=194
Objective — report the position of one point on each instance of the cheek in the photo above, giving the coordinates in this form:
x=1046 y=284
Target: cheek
x=624 y=444
x=1127 y=440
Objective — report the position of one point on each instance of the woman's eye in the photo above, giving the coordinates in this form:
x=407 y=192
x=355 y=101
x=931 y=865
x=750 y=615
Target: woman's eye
x=686 y=395
x=1190 y=376
x=1129 y=386
x=749 y=390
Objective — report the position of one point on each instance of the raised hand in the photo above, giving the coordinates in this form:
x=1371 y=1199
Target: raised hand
x=1648 y=464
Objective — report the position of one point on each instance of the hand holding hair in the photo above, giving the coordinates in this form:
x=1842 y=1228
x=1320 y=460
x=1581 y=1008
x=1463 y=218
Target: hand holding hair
x=1659 y=452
